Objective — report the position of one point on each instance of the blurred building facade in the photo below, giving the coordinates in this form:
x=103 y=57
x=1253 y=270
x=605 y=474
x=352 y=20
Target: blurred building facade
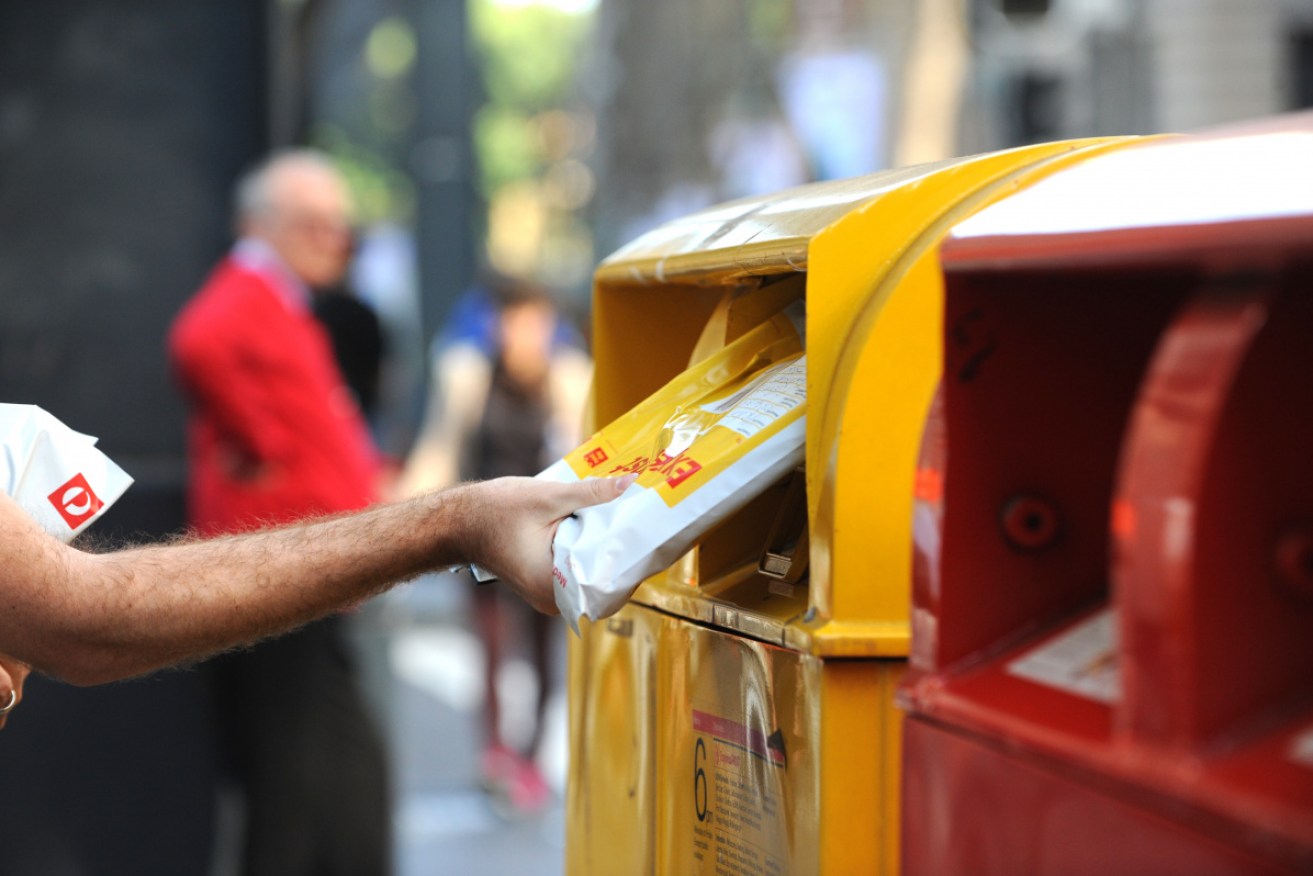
x=1046 y=69
x=816 y=89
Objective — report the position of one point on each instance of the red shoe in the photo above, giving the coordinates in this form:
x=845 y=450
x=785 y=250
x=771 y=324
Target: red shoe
x=500 y=767
x=528 y=792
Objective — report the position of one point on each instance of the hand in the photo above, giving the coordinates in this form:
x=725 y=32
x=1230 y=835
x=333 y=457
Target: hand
x=12 y=675
x=511 y=523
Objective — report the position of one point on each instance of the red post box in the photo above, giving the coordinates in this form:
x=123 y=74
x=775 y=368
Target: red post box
x=1112 y=658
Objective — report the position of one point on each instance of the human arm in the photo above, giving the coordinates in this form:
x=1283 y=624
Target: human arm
x=91 y=618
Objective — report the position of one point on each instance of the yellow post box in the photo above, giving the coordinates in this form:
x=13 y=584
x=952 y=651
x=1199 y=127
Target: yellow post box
x=737 y=716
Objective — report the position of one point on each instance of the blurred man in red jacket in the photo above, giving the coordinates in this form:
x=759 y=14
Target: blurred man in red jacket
x=275 y=436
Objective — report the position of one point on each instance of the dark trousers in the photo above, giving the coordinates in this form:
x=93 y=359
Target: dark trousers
x=307 y=755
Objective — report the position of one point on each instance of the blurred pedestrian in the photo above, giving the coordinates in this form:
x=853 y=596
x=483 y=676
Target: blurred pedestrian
x=360 y=348
x=275 y=435
x=510 y=402
x=359 y=345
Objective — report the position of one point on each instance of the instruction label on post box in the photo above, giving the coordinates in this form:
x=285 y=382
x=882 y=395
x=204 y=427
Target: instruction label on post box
x=741 y=807
x=1081 y=661
x=741 y=784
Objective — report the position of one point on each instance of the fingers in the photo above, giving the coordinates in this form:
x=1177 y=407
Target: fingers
x=511 y=523
x=596 y=491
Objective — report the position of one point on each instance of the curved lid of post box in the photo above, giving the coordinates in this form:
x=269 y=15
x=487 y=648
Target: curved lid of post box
x=1198 y=196
x=641 y=341
x=750 y=237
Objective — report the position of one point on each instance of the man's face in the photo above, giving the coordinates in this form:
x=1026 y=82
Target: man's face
x=308 y=223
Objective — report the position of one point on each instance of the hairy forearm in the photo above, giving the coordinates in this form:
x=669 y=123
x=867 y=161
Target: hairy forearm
x=90 y=618
x=143 y=608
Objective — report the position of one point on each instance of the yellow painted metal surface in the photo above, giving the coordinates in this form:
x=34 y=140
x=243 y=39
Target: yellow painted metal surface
x=647 y=334
x=752 y=237
x=696 y=749
x=750 y=740
x=714 y=647
x=860 y=748
x=614 y=712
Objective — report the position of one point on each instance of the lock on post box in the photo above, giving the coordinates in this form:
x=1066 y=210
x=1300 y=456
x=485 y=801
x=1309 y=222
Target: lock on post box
x=1112 y=646
x=766 y=726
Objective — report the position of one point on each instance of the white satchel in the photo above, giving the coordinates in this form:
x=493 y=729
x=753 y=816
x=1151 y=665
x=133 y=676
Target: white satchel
x=55 y=474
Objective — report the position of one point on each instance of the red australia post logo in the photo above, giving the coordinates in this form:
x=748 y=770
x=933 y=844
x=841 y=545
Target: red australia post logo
x=75 y=501
x=595 y=457
x=677 y=469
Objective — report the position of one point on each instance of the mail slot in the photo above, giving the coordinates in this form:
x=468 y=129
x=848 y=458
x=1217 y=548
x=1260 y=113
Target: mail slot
x=1113 y=662
x=750 y=701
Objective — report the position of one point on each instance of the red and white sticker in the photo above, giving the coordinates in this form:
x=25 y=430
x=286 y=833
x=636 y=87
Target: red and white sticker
x=1080 y=661
x=75 y=501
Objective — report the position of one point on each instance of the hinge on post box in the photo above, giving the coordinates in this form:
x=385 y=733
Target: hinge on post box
x=784 y=558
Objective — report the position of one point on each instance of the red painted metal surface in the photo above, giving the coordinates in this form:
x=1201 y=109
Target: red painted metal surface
x=1217 y=634
x=1112 y=658
x=1038 y=384
x=1012 y=814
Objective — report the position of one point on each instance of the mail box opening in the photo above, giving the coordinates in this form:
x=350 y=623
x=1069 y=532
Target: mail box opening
x=756 y=558
x=757 y=555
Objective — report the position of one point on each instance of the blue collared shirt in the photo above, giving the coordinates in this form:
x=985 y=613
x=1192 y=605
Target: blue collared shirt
x=258 y=256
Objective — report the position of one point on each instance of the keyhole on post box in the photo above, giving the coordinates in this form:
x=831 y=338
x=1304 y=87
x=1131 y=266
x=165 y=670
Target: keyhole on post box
x=1030 y=523
x=1294 y=560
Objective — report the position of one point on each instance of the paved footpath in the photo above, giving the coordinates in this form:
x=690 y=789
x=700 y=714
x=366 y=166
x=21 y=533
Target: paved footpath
x=445 y=824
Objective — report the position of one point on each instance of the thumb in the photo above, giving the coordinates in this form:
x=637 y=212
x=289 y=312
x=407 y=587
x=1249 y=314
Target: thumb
x=596 y=491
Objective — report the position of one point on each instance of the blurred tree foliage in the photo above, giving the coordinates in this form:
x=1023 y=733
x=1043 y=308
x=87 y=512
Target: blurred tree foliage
x=528 y=55
x=381 y=191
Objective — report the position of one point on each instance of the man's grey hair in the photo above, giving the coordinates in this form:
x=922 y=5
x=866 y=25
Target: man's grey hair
x=252 y=196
